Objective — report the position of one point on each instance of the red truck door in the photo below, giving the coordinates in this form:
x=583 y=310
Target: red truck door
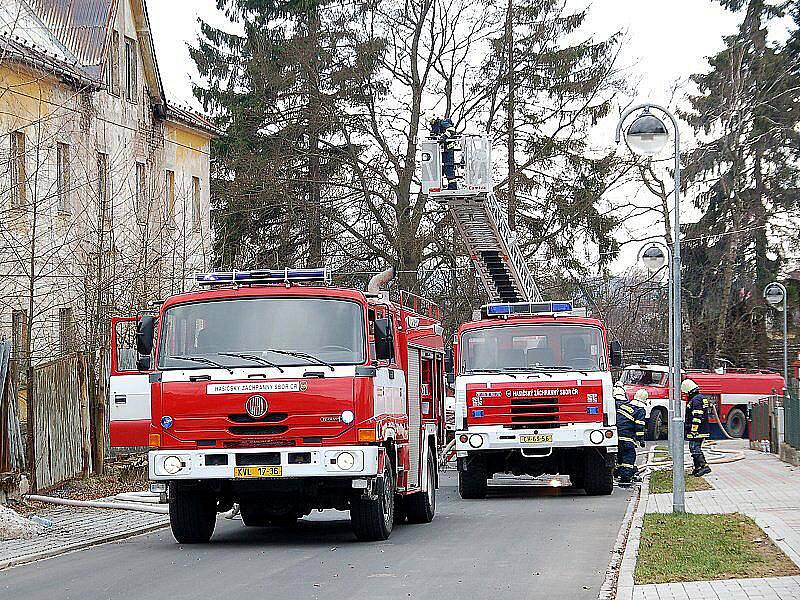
x=128 y=389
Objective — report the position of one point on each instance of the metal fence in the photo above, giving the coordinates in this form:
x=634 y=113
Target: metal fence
x=61 y=423
x=764 y=424
x=791 y=418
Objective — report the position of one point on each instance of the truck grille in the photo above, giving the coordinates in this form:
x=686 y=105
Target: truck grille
x=534 y=412
x=268 y=418
x=258 y=429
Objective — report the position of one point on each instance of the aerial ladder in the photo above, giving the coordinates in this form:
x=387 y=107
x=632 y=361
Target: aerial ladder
x=457 y=171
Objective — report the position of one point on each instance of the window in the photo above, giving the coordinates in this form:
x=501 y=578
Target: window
x=19 y=333
x=63 y=178
x=533 y=348
x=141 y=193
x=644 y=377
x=196 y=216
x=102 y=186
x=131 y=67
x=19 y=174
x=262 y=331
x=169 y=199
x=112 y=65
x=66 y=330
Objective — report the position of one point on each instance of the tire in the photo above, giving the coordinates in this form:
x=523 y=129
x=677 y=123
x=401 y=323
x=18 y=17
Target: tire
x=192 y=513
x=373 y=519
x=736 y=423
x=655 y=425
x=598 y=477
x=421 y=507
x=472 y=482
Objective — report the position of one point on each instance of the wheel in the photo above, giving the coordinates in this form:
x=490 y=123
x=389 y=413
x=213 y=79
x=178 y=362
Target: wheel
x=472 y=479
x=373 y=519
x=421 y=507
x=736 y=424
x=655 y=425
x=192 y=513
x=598 y=476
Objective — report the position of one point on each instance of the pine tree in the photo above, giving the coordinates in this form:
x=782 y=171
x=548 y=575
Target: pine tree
x=545 y=87
x=747 y=172
x=277 y=90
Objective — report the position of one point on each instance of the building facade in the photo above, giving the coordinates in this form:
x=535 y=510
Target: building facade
x=104 y=185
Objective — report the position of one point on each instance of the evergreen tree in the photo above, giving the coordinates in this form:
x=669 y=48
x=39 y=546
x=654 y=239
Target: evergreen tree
x=276 y=89
x=747 y=171
x=545 y=85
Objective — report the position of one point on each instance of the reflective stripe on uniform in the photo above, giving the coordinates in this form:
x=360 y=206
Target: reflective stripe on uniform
x=628 y=465
x=625 y=439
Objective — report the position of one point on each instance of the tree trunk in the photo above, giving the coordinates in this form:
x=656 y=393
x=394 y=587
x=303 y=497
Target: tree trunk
x=510 y=121
x=313 y=119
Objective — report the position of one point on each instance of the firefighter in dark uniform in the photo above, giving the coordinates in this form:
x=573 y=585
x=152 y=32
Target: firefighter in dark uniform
x=696 y=425
x=445 y=130
x=630 y=431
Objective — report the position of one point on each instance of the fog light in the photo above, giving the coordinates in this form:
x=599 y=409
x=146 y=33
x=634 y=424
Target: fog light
x=475 y=440
x=348 y=416
x=172 y=464
x=345 y=461
x=596 y=437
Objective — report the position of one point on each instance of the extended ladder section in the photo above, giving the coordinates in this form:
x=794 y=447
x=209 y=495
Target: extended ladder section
x=457 y=172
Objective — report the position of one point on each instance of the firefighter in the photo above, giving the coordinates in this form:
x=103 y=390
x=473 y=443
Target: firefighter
x=696 y=425
x=445 y=130
x=630 y=431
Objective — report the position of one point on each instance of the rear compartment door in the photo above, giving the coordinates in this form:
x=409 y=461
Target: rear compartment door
x=128 y=388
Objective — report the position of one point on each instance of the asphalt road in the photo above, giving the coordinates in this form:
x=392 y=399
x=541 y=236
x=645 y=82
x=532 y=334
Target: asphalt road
x=521 y=542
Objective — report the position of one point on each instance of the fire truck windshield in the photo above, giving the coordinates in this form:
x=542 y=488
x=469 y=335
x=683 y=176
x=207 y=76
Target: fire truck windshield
x=532 y=348
x=258 y=332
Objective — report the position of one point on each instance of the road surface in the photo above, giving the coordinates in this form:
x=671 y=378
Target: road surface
x=520 y=543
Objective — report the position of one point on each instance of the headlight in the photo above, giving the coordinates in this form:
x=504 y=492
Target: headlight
x=348 y=416
x=172 y=464
x=596 y=437
x=345 y=461
x=475 y=440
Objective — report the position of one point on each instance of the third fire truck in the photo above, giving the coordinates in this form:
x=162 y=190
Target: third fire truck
x=275 y=392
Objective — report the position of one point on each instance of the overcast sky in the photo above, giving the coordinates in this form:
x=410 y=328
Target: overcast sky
x=667 y=40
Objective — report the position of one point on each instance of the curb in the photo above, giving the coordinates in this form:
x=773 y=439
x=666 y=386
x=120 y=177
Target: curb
x=618 y=583
x=26 y=558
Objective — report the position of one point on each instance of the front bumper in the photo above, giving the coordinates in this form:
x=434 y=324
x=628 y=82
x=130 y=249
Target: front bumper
x=496 y=437
x=322 y=462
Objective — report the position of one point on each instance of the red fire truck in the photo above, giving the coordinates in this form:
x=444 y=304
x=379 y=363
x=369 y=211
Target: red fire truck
x=281 y=397
x=730 y=390
x=534 y=396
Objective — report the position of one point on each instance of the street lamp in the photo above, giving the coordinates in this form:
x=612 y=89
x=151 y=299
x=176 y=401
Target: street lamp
x=775 y=294
x=648 y=135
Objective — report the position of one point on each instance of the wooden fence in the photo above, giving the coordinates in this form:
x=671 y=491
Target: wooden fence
x=61 y=428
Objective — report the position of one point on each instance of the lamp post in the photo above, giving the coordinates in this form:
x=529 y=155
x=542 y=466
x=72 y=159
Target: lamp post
x=647 y=135
x=775 y=294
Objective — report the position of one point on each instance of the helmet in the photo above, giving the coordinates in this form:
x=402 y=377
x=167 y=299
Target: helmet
x=688 y=386
x=641 y=396
x=619 y=393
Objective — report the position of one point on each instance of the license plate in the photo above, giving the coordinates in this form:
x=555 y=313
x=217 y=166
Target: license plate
x=256 y=472
x=536 y=439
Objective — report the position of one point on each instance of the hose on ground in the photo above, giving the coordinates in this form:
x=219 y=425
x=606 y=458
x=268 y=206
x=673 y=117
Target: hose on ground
x=99 y=504
x=715 y=456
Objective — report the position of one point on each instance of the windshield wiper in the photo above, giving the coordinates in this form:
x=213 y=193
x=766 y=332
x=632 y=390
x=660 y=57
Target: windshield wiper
x=252 y=357
x=309 y=357
x=497 y=371
x=204 y=360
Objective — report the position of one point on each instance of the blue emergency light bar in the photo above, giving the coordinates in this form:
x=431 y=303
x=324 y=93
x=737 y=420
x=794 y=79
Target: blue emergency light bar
x=287 y=276
x=526 y=308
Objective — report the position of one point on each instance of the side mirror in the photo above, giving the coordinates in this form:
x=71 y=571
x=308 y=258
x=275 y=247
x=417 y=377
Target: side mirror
x=615 y=350
x=145 y=332
x=451 y=379
x=384 y=339
x=448 y=360
x=143 y=362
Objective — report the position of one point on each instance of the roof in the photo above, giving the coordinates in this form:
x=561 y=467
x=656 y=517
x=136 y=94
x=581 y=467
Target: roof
x=529 y=320
x=195 y=120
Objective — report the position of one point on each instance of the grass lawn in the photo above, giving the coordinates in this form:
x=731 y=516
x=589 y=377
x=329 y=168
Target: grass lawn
x=691 y=547
x=661 y=482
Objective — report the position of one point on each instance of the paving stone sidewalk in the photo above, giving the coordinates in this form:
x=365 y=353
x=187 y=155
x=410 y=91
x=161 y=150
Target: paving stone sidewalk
x=75 y=528
x=762 y=487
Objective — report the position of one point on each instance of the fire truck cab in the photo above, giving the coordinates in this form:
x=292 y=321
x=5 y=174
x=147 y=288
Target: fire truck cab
x=729 y=390
x=534 y=396
x=281 y=397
